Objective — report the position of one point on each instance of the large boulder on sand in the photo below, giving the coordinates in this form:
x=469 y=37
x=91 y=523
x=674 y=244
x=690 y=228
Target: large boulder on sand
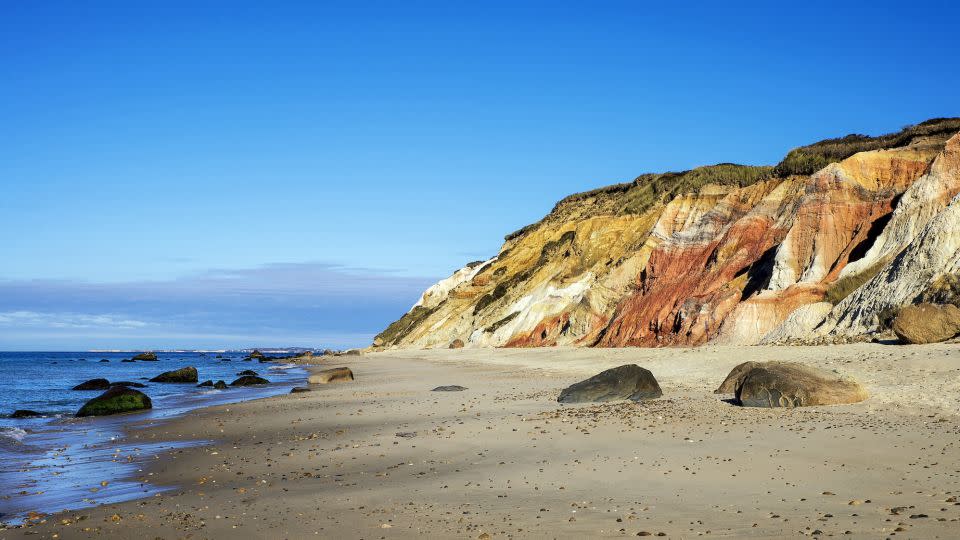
x=927 y=323
x=182 y=375
x=456 y=344
x=625 y=382
x=730 y=384
x=93 y=384
x=118 y=399
x=340 y=374
x=790 y=384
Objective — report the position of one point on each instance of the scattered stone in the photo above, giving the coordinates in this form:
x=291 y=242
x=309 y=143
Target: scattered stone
x=456 y=344
x=340 y=374
x=927 y=323
x=407 y=434
x=182 y=375
x=451 y=388
x=93 y=384
x=629 y=381
x=25 y=413
x=249 y=380
x=118 y=399
x=299 y=389
x=790 y=384
x=145 y=357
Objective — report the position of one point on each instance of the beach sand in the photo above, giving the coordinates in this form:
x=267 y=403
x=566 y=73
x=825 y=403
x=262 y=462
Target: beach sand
x=384 y=457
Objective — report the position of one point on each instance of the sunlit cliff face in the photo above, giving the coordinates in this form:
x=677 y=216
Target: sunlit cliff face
x=726 y=254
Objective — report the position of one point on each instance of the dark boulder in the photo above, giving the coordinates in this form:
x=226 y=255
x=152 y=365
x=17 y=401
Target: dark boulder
x=118 y=399
x=128 y=360
x=299 y=389
x=246 y=372
x=103 y=360
x=182 y=375
x=625 y=382
x=249 y=380
x=790 y=384
x=450 y=388
x=93 y=384
x=456 y=344
x=146 y=357
x=205 y=383
x=220 y=385
x=25 y=413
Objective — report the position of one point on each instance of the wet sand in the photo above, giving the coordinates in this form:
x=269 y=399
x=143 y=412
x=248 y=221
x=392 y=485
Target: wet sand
x=384 y=457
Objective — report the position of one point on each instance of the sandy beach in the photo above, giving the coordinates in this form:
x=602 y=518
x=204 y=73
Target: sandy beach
x=384 y=457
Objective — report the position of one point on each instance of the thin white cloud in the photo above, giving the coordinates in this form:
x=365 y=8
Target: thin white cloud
x=34 y=319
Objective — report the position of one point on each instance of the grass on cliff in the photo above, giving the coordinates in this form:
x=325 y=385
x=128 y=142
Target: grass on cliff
x=646 y=190
x=843 y=287
x=649 y=189
x=810 y=159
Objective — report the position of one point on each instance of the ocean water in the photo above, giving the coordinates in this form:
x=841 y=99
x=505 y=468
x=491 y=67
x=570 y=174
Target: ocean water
x=58 y=462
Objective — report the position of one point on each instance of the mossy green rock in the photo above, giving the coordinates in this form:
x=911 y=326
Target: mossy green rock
x=146 y=357
x=116 y=400
x=182 y=375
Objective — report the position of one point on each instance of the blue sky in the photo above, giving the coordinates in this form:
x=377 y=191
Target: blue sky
x=208 y=174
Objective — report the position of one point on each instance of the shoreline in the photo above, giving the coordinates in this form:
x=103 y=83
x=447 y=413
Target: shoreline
x=68 y=464
x=503 y=458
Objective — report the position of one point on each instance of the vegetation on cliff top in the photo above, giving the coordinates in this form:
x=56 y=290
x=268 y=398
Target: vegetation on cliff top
x=646 y=190
x=810 y=159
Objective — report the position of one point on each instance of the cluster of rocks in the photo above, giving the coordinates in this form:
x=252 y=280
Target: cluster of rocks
x=754 y=384
x=122 y=396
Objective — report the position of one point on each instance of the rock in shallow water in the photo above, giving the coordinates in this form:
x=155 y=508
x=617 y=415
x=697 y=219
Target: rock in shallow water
x=182 y=375
x=340 y=374
x=93 y=384
x=450 y=388
x=249 y=380
x=118 y=399
x=131 y=384
x=927 y=323
x=625 y=382
x=207 y=382
x=220 y=385
x=145 y=357
x=25 y=413
x=790 y=384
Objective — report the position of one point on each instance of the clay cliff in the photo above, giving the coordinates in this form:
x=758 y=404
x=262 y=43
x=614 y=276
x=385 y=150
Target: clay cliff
x=820 y=247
